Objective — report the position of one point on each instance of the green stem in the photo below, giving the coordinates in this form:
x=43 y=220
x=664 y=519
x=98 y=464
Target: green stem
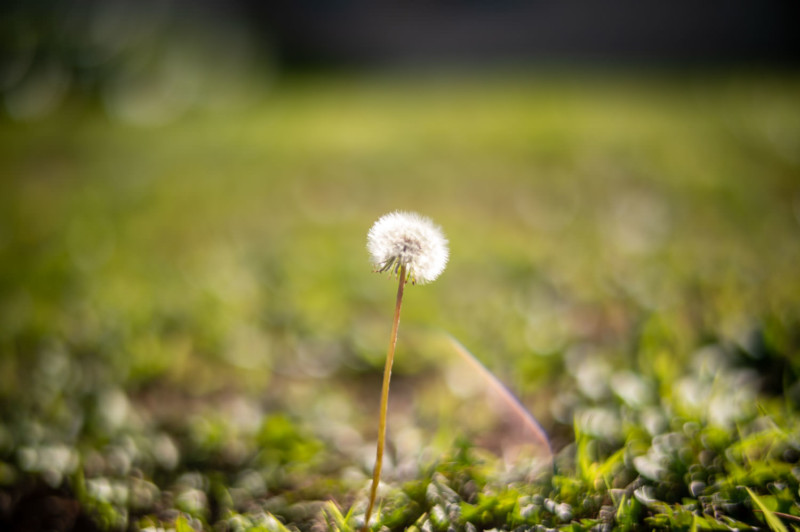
x=387 y=375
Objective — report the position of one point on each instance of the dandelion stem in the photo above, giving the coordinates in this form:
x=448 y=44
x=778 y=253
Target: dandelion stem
x=387 y=375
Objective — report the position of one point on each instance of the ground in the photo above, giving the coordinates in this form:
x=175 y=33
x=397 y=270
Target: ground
x=191 y=335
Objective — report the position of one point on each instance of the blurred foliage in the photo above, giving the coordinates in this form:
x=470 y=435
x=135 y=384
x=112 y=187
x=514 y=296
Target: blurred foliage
x=147 y=62
x=190 y=335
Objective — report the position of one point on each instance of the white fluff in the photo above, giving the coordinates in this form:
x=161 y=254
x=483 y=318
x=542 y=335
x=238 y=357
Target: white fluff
x=408 y=239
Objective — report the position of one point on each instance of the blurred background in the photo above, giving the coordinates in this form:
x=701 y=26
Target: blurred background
x=150 y=61
x=188 y=319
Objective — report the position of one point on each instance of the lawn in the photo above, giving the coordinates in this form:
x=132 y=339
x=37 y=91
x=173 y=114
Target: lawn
x=192 y=337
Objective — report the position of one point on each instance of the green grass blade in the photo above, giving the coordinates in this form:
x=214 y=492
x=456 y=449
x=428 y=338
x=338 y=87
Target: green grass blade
x=772 y=520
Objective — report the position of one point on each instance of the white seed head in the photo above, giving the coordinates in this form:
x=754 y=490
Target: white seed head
x=407 y=239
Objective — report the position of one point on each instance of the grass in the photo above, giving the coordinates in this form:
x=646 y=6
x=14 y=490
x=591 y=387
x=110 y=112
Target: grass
x=190 y=335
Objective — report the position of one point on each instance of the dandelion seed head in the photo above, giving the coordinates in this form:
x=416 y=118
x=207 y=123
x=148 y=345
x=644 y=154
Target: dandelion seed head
x=407 y=239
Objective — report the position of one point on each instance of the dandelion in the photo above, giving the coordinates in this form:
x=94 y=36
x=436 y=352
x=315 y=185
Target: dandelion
x=411 y=247
x=407 y=240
